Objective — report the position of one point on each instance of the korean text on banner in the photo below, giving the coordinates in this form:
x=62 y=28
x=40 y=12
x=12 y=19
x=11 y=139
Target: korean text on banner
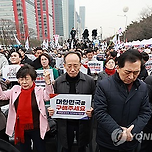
x=71 y=106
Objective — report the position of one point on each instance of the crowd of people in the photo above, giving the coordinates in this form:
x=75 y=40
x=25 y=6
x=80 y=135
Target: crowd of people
x=121 y=96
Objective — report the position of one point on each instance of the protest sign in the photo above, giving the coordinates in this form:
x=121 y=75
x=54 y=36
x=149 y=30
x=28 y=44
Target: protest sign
x=148 y=64
x=70 y=106
x=95 y=66
x=59 y=63
x=96 y=43
x=40 y=78
x=83 y=69
x=9 y=72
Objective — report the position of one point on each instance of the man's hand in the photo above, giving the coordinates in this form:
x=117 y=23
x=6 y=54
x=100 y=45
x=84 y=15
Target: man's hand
x=50 y=111
x=89 y=112
x=126 y=134
x=129 y=134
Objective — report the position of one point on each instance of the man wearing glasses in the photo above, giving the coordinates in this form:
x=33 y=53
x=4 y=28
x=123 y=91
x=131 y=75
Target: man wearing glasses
x=122 y=106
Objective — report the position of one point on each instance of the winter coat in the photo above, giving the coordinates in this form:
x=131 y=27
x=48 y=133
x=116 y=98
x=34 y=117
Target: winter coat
x=102 y=75
x=85 y=85
x=148 y=81
x=27 y=60
x=41 y=94
x=115 y=107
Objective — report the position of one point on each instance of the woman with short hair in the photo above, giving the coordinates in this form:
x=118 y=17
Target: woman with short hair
x=27 y=114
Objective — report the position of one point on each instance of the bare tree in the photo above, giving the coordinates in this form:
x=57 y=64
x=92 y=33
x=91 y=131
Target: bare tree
x=146 y=12
x=7 y=28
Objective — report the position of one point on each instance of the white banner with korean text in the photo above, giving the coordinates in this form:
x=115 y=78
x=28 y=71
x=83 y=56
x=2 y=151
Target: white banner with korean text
x=95 y=66
x=9 y=72
x=70 y=106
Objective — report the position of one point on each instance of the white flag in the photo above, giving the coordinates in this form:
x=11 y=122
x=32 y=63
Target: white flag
x=120 y=31
x=72 y=44
x=27 y=44
x=114 y=40
x=56 y=38
x=45 y=44
x=17 y=41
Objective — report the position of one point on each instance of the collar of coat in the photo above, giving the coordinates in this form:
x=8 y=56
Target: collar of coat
x=82 y=77
x=117 y=78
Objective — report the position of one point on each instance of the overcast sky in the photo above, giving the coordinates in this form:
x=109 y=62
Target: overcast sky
x=108 y=15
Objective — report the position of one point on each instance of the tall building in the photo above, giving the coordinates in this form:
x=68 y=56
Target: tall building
x=43 y=20
x=7 y=23
x=71 y=14
x=82 y=16
x=18 y=17
x=58 y=17
x=78 y=26
x=66 y=19
x=29 y=10
x=24 y=15
x=51 y=18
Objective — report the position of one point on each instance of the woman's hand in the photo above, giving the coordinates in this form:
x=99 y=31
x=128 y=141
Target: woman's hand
x=46 y=75
x=7 y=82
x=50 y=111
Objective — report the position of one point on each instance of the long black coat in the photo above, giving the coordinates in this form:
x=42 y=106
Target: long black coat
x=85 y=85
x=115 y=107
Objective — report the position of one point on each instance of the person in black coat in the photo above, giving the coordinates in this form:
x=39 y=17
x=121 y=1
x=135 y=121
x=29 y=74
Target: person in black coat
x=74 y=82
x=147 y=142
x=73 y=33
x=143 y=73
x=36 y=62
x=24 y=58
x=122 y=106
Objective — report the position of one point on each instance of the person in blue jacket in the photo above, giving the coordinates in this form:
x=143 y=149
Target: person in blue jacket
x=122 y=106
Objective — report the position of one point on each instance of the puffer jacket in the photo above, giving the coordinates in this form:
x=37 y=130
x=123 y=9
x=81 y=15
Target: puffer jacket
x=116 y=107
